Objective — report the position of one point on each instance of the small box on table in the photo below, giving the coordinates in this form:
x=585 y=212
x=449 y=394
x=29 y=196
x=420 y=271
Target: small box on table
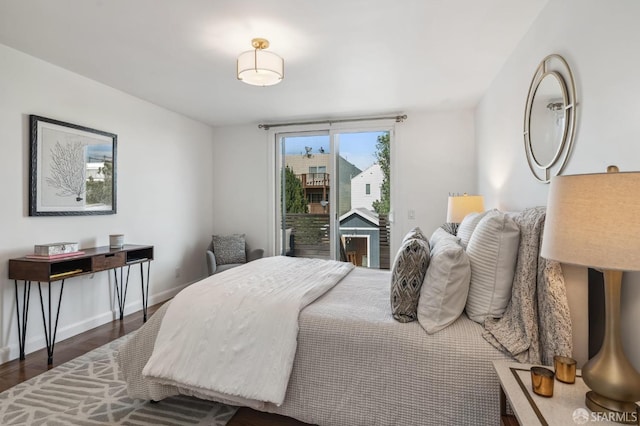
x=55 y=248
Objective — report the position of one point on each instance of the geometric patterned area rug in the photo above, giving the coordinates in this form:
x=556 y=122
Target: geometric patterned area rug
x=89 y=390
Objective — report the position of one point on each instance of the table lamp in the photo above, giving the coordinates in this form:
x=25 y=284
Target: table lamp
x=461 y=205
x=593 y=220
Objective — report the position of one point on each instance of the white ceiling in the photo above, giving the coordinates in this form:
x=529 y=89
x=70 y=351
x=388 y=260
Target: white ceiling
x=342 y=57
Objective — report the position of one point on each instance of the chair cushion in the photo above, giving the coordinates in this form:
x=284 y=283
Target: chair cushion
x=229 y=249
x=227 y=266
x=287 y=240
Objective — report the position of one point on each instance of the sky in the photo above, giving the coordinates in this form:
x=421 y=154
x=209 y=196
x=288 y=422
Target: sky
x=97 y=152
x=357 y=148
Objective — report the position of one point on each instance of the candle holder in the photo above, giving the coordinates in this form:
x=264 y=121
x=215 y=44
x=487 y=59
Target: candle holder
x=542 y=381
x=565 y=369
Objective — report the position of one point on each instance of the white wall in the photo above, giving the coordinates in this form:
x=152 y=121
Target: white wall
x=240 y=183
x=164 y=193
x=599 y=40
x=433 y=153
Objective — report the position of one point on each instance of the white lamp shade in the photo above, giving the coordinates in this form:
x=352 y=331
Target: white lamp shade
x=461 y=205
x=260 y=68
x=594 y=220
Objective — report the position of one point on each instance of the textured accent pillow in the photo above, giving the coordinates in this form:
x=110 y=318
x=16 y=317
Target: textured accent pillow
x=409 y=269
x=451 y=228
x=468 y=225
x=229 y=249
x=415 y=233
x=444 y=292
x=493 y=251
x=440 y=234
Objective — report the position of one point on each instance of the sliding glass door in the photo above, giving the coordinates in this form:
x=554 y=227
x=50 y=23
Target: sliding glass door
x=364 y=197
x=334 y=196
x=305 y=187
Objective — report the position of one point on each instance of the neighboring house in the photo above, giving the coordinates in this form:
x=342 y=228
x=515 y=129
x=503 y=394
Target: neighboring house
x=94 y=170
x=360 y=227
x=365 y=187
x=360 y=234
x=312 y=170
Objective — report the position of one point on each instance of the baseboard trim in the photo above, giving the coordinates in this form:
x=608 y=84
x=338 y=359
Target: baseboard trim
x=35 y=343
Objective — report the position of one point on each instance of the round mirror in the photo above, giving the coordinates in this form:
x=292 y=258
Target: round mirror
x=550 y=118
x=547 y=121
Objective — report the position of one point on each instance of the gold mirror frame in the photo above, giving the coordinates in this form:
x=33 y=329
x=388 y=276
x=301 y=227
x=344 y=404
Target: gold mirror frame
x=552 y=65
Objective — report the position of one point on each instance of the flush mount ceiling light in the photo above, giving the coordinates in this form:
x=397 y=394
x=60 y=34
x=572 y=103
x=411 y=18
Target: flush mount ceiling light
x=259 y=67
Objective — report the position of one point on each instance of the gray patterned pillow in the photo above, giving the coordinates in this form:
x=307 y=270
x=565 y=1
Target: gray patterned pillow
x=451 y=228
x=409 y=269
x=229 y=249
x=415 y=233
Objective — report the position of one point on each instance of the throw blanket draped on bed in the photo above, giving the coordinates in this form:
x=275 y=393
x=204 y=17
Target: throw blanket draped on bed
x=235 y=333
x=536 y=324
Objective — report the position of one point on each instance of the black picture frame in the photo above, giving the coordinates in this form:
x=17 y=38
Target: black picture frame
x=72 y=169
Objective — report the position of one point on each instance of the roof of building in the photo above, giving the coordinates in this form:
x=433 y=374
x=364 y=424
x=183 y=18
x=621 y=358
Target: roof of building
x=368 y=215
x=374 y=168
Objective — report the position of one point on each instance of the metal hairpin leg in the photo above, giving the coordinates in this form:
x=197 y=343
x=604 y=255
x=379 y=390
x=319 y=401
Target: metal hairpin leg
x=145 y=292
x=50 y=329
x=121 y=292
x=123 y=284
x=22 y=322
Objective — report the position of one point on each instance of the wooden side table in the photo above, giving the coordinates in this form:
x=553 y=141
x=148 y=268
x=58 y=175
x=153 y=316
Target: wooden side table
x=566 y=407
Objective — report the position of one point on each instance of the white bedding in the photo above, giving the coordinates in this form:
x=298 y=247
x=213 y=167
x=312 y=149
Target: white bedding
x=355 y=365
x=234 y=334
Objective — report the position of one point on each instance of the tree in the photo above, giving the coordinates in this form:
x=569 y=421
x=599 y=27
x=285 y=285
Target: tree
x=383 y=155
x=101 y=191
x=67 y=170
x=295 y=201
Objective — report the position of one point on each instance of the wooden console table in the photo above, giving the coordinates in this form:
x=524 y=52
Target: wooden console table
x=91 y=261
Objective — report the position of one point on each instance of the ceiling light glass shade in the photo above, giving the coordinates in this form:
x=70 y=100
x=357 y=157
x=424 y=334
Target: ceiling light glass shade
x=260 y=68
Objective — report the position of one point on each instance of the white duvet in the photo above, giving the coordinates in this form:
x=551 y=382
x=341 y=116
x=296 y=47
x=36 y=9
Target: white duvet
x=234 y=334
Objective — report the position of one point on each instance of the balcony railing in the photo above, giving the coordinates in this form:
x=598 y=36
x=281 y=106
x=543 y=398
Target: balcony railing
x=314 y=180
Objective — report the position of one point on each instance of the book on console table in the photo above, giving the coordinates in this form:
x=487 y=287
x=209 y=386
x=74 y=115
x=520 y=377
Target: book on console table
x=54 y=256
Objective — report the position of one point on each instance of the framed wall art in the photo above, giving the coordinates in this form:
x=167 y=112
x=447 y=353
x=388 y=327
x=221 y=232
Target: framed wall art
x=72 y=169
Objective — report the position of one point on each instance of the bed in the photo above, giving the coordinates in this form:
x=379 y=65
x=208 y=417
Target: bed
x=355 y=364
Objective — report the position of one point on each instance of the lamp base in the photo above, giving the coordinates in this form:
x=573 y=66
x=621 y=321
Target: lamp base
x=616 y=411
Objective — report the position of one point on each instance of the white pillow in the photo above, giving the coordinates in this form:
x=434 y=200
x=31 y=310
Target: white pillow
x=444 y=291
x=493 y=251
x=468 y=225
x=440 y=234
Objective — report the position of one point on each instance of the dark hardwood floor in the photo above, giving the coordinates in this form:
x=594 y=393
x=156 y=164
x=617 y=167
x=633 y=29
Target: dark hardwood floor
x=16 y=371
